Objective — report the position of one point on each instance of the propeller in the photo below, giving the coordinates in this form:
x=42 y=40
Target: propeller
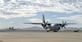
x=64 y=23
x=46 y=25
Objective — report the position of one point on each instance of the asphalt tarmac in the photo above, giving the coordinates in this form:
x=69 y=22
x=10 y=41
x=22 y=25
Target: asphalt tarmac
x=40 y=36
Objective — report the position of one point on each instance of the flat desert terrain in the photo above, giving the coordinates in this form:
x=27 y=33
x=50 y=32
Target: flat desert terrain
x=40 y=36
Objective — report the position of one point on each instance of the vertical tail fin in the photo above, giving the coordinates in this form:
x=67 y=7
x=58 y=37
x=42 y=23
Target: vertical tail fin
x=43 y=18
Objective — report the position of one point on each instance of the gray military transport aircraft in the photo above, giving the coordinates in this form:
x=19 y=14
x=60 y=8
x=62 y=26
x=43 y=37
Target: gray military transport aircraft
x=48 y=27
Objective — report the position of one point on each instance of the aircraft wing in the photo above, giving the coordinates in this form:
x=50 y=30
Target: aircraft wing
x=33 y=23
x=71 y=23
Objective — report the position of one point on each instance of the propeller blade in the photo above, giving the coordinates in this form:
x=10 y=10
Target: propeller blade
x=64 y=27
x=62 y=22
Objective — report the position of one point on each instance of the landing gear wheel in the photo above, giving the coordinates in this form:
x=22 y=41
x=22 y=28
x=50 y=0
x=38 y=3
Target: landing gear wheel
x=54 y=31
x=47 y=31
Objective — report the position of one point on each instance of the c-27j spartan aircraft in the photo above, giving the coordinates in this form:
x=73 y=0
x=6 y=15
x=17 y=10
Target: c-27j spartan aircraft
x=48 y=27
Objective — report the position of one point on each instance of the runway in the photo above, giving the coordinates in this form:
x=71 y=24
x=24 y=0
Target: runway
x=41 y=36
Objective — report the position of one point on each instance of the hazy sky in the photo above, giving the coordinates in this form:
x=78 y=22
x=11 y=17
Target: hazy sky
x=16 y=12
